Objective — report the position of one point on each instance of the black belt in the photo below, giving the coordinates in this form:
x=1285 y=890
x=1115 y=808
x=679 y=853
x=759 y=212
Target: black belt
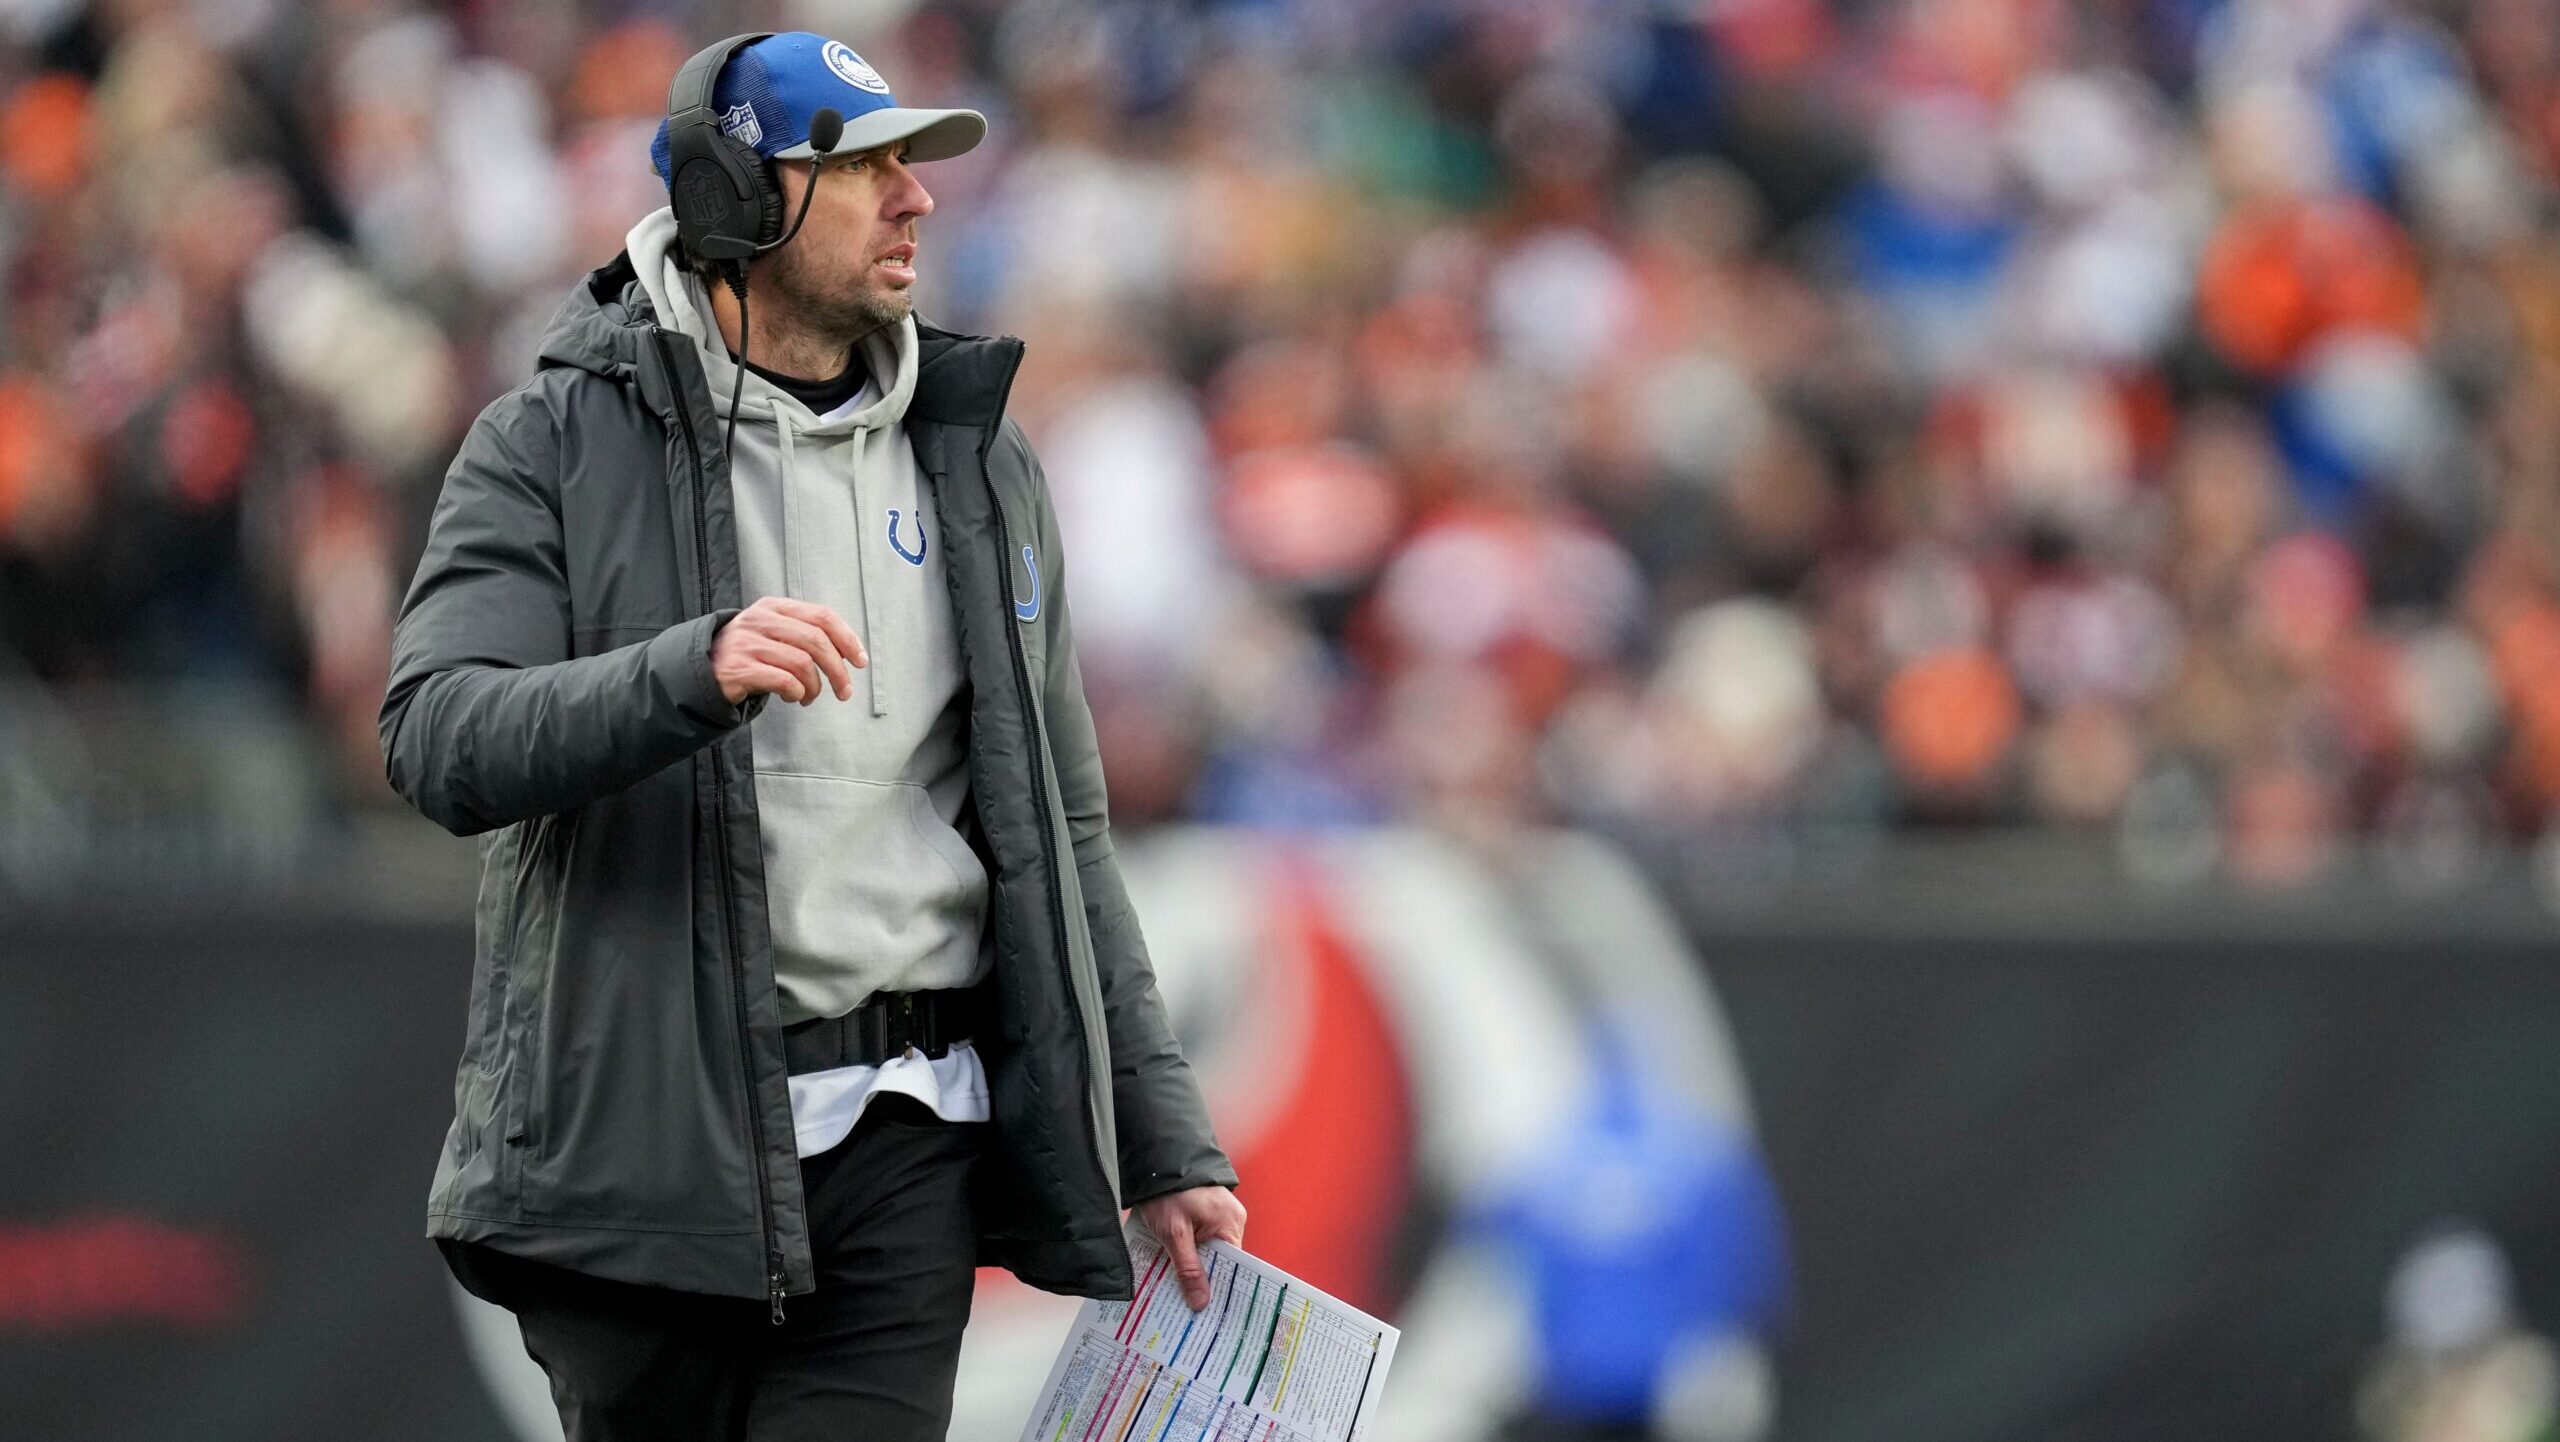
x=881 y=1028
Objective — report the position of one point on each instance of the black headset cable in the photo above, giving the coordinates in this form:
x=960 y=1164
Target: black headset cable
x=825 y=129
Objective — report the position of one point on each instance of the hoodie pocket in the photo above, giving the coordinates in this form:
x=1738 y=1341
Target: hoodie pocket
x=866 y=887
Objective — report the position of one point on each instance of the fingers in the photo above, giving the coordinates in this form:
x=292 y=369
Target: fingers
x=803 y=639
x=847 y=644
x=1186 y=1262
x=771 y=680
x=820 y=647
x=799 y=665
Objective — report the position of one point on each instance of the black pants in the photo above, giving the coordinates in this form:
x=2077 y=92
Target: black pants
x=871 y=1354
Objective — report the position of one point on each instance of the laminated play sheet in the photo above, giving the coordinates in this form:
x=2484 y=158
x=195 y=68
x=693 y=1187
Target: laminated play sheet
x=1270 y=1359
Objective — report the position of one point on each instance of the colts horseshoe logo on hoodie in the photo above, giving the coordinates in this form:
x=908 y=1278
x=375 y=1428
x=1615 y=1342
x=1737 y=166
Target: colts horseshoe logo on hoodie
x=916 y=556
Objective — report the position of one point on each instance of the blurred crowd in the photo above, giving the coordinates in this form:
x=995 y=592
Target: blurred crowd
x=2136 y=419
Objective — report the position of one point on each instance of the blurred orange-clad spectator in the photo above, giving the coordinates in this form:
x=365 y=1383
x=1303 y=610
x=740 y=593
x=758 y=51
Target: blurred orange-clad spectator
x=45 y=496
x=44 y=135
x=2279 y=277
x=1950 y=719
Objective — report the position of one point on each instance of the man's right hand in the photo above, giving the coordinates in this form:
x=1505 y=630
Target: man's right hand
x=792 y=649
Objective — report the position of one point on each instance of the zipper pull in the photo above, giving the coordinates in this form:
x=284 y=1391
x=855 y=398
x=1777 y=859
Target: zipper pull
x=773 y=1284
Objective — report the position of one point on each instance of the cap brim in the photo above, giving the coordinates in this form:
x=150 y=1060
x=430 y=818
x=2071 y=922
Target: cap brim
x=930 y=134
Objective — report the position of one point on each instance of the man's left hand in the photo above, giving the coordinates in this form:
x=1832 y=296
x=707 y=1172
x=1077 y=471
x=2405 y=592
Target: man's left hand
x=1182 y=1220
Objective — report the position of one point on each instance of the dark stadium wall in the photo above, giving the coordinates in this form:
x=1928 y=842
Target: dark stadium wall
x=2091 y=1191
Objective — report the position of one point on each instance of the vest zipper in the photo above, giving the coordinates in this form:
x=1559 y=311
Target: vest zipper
x=774 y=1274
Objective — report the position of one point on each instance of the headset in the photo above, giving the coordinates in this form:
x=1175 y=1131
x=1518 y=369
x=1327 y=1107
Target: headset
x=727 y=201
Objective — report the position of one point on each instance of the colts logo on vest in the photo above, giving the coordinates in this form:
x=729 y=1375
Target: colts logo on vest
x=1028 y=610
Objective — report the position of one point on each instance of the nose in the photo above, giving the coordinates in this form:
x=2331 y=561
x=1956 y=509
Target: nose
x=908 y=199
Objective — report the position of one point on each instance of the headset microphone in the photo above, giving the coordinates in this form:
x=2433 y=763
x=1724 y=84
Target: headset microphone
x=825 y=129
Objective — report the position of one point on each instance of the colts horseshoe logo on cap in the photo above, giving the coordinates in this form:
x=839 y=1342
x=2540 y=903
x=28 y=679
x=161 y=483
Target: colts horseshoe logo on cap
x=850 y=69
x=1029 y=610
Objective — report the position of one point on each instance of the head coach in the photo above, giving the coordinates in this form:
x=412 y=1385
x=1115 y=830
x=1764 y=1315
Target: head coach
x=805 y=979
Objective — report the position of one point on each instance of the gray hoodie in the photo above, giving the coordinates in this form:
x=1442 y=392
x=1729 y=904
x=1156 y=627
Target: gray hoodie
x=870 y=884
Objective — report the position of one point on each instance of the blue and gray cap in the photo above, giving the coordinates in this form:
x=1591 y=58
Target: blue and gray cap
x=769 y=90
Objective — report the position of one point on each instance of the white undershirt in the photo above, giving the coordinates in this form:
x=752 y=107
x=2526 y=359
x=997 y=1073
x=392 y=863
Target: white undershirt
x=826 y=1104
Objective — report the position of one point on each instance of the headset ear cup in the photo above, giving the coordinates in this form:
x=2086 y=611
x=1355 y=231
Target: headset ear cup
x=762 y=215
x=769 y=196
x=725 y=199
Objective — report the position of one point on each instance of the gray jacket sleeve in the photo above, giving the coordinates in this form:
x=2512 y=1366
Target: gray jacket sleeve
x=1166 y=1144
x=489 y=718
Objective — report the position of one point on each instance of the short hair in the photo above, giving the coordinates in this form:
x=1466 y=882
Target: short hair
x=699 y=267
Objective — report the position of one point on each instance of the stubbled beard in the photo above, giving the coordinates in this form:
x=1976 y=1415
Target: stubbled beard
x=835 y=315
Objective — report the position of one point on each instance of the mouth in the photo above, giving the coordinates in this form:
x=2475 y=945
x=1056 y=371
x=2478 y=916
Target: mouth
x=899 y=263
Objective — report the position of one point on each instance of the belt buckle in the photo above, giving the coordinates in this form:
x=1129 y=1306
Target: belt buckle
x=907 y=1022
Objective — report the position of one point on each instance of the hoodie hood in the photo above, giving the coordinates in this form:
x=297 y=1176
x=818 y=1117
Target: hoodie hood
x=678 y=301
x=602 y=325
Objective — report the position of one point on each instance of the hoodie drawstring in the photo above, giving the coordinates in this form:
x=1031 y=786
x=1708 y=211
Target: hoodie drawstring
x=862 y=542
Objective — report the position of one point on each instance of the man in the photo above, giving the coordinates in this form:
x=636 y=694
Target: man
x=784 y=1016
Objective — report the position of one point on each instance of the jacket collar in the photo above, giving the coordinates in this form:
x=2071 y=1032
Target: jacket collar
x=961 y=379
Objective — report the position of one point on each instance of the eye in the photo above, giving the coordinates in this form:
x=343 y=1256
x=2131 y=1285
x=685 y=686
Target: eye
x=865 y=160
